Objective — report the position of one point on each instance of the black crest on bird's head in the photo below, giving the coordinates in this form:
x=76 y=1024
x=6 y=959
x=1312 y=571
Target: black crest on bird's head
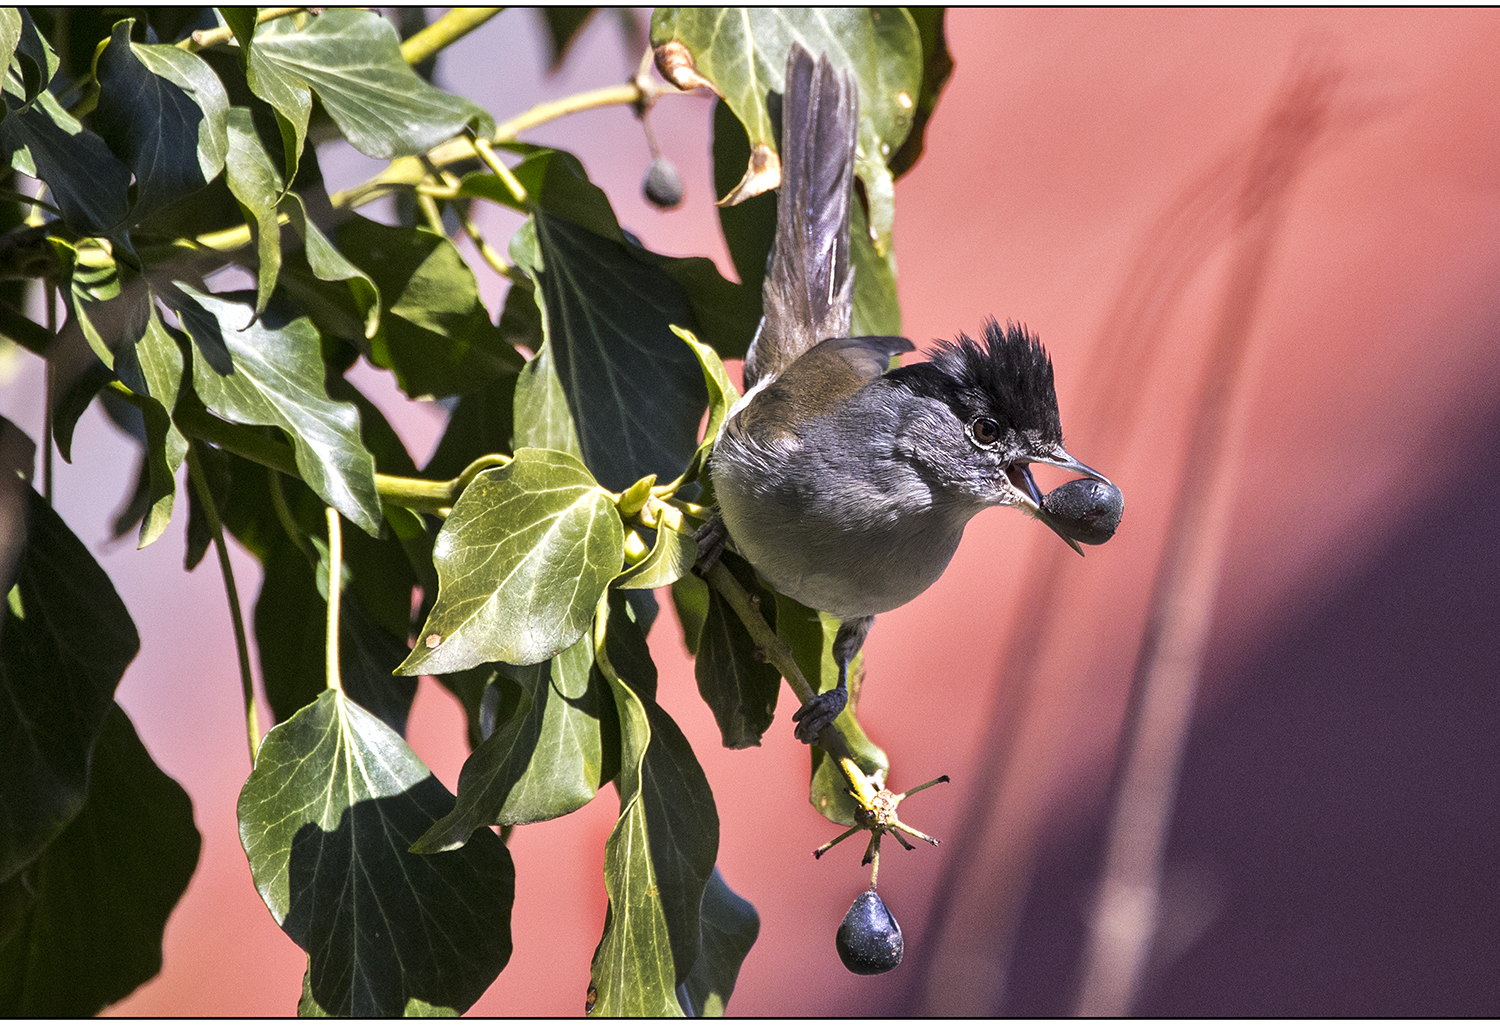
x=1008 y=377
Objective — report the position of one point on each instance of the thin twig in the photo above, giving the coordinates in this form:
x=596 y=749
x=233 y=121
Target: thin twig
x=241 y=643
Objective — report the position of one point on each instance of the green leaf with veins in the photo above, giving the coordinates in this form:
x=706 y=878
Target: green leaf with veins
x=164 y=112
x=657 y=861
x=326 y=818
x=256 y=184
x=64 y=644
x=278 y=381
x=521 y=561
x=352 y=60
x=546 y=757
x=742 y=51
x=96 y=901
x=336 y=295
x=671 y=558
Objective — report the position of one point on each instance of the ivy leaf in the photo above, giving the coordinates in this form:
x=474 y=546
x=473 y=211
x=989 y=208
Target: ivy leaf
x=435 y=332
x=671 y=557
x=33 y=56
x=877 y=310
x=256 y=185
x=151 y=366
x=287 y=94
x=521 y=562
x=99 y=896
x=810 y=636
x=657 y=861
x=352 y=61
x=729 y=929
x=937 y=66
x=742 y=53
x=738 y=686
x=336 y=295
x=545 y=759
x=326 y=818
x=278 y=381
x=722 y=395
x=165 y=113
x=87 y=182
x=64 y=644
x=635 y=395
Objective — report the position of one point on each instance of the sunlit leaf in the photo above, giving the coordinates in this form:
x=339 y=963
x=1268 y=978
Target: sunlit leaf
x=97 y=899
x=521 y=561
x=336 y=295
x=327 y=816
x=64 y=645
x=743 y=51
x=352 y=61
x=937 y=65
x=672 y=555
x=278 y=380
x=164 y=112
x=256 y=185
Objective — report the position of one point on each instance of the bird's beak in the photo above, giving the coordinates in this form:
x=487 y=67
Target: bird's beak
x=1031 y=498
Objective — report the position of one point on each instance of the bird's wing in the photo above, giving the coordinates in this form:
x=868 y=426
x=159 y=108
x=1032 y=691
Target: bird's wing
x=809 y=288
x=815 y=384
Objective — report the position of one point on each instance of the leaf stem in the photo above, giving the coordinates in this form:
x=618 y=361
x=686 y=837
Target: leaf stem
x=447 y=30
x=335 y=580
x=204 y=38
x=832 y=739
x=241 y=644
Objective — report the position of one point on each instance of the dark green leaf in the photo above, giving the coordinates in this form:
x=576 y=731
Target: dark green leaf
x=521 y=561
x=742 y=51
x=545 y=758
x=749 y=226
x=722 y=395
x=290 y=635
x=734 y=679
x=635 y=393
x=151 y=366
x=100 y=894
x=164 y=112
x=308 y=1006
x=336 y=295
x=435 y=332
x=656 y=862
x=352 y=60
x=480 y=424
x=32 y=55
x=241 y=21
x=66 y=640
x=937 y=65
x=730 y=927
x=327 y=816
x=563 y=24
x=256 y=185
x=278 y=381
x=86 y=181
x=541 y=415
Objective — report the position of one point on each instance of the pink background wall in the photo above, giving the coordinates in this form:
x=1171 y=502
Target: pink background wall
x=1348 y=681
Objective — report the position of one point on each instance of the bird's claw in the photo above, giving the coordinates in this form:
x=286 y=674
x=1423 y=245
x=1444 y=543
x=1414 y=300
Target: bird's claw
x=819 y=712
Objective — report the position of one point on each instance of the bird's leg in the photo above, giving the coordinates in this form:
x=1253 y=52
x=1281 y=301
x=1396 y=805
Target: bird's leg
x=711 y=539
x=821 y=710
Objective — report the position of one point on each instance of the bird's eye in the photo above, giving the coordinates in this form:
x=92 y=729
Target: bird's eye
x=984 y=431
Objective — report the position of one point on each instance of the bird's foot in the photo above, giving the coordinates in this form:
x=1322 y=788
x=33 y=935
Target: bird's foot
x=818 y=713
x=711 y=539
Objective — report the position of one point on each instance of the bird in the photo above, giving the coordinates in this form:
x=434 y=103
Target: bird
x=847 y=482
